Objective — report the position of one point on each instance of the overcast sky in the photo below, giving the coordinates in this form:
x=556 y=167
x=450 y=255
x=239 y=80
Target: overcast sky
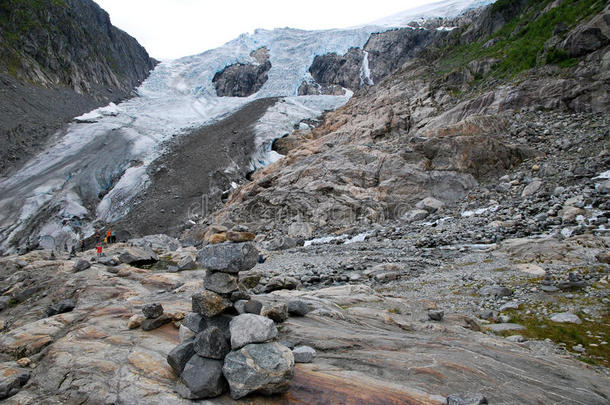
x=173 y=28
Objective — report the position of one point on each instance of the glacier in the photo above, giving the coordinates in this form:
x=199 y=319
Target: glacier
x=98 y=164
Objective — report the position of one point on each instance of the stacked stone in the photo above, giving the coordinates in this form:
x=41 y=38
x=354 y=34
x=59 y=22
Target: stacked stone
x=155 y=318
x=218 y=351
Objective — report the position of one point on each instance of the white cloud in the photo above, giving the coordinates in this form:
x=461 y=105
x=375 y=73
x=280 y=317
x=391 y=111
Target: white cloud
x=174 y=28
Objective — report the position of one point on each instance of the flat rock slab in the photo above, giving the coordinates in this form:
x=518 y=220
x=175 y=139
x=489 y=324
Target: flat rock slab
x=504 y=327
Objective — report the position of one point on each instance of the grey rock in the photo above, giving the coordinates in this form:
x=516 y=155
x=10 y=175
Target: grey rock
x=515 y=338
x=4 y=302
x=262 y=368
x=503 y=327
x=566 y=317
x=303 y=354
x=495 y=291
x=195 y=322
x=531 y=188
x=243 y=80
x=282 y=283
x=332 y=69
x=287 y=343
x=187 y=263
x=212 y=344
x=180 y=355
x=228 y=257
x=430 y=204
x=202 y=378
x=240 y=306
x=152 y=324
x=253 y=307
x=152 y=311
x=209 y=304
x=250 y=328
x=239 y=295
x=415 y=215
x=466 y=399
x=221 y=322
x=136 y=256
x=278 y=312
x=10 y=385
x=108 y=261
x=82 y=265
x=510 y=305
x=435 y=315
x=185 y=334
x=298 y=308
x=61 y=307
x=221 y=283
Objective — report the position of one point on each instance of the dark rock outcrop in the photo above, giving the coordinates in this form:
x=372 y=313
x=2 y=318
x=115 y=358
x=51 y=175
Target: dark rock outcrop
x=389 y=50
x=243 y=80
x=343 y=70
x=59 y=59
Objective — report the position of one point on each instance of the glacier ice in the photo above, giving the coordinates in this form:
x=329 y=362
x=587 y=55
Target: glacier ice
x=99 y=163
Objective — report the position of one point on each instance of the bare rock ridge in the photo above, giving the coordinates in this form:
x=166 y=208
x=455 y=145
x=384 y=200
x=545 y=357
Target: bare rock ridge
x=243 y=80
x=59 y=59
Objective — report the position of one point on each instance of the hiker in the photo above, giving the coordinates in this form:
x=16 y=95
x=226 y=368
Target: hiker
x=109 y=235
x=82 y=245
x=113 y=237
x=73 y=251
x=261 y=259
x=99 y=250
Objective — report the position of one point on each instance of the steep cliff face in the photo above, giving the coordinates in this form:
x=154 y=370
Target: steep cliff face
x=58 y=59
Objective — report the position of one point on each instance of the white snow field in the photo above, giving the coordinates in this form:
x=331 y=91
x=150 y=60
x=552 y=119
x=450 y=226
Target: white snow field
x=106 y=152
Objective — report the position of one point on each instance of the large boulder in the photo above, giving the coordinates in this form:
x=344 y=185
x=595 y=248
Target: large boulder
x=82 y=265
x=228 y=257
x=136 y=256
x=202 y=378
x=250 y=328
x=266 y=368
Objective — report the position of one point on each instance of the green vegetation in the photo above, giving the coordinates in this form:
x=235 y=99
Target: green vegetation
x=570 y=334
x=395 y=311
x=519 y=44
x=18 y=17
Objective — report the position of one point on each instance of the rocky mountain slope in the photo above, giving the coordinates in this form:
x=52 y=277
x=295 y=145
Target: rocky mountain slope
x=59 y=59
x=436 y=128
x=441 y=238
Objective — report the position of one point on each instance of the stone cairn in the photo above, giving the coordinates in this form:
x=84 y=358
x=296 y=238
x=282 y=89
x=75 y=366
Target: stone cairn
x=220 y=350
